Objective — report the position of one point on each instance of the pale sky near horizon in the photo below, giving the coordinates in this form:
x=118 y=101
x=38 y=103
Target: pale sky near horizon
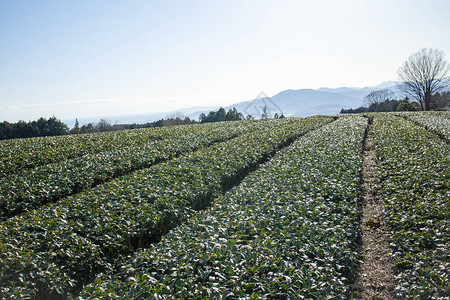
x=77 y=59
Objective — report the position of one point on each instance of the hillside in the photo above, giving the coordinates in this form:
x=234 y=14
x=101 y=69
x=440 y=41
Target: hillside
x=247 y=209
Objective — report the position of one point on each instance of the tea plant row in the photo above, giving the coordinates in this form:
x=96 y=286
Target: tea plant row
x=444 y=114
x=34 y=187
x=436 y=123
x=414 y=167
x=288 y=231
x=53 y=251
x=21 y=154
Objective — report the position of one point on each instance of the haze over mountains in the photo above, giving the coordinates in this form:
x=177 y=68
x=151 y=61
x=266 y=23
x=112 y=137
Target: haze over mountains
x=301 y=102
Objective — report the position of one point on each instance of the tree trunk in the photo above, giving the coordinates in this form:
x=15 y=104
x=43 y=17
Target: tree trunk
x=427 y=100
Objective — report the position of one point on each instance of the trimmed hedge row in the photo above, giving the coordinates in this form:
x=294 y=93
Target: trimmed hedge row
x=414 y=167
x=32 y=188
x=288 y=231
x=21 y=154
x=444 y=114
x=52 y=252
x=436 y=123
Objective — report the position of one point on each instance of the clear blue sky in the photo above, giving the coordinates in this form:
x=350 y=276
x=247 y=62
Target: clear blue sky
x=98 y=58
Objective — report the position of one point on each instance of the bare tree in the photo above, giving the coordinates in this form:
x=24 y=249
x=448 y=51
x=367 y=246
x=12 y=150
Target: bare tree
x=378 y=96
x=422 y=75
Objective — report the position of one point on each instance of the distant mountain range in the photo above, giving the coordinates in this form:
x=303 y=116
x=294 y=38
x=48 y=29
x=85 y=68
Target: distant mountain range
x=305 y=102
x=302 y=103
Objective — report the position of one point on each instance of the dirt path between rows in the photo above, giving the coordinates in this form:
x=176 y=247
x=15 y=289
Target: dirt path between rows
x=375 y=276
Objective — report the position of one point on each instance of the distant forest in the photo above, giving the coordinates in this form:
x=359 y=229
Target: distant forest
x=53 y=126
x=41 y=127
x=439 y=101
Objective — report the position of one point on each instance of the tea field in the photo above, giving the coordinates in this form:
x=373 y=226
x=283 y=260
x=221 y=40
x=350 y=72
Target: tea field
x=261 y=209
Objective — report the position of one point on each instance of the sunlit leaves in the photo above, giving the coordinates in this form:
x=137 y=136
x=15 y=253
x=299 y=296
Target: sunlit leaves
x=78 y=237
x=288 y=230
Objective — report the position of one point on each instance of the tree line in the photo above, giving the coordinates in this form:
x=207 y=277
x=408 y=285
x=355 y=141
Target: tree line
x=381 y=101
x=104 y=125
x=53 y=126
x=221 y=115
x=40 y=127
x=233 y=115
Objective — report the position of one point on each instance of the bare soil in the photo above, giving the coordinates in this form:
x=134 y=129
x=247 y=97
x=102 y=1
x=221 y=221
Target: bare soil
x=375 y=276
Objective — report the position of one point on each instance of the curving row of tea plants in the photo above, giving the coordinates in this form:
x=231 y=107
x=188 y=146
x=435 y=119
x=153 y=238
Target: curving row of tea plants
x=33 y=187
x=55 y=250
x=20 y=154
x=444 y=114
x=435 y=122
x=414 y=167
x=287 y=231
